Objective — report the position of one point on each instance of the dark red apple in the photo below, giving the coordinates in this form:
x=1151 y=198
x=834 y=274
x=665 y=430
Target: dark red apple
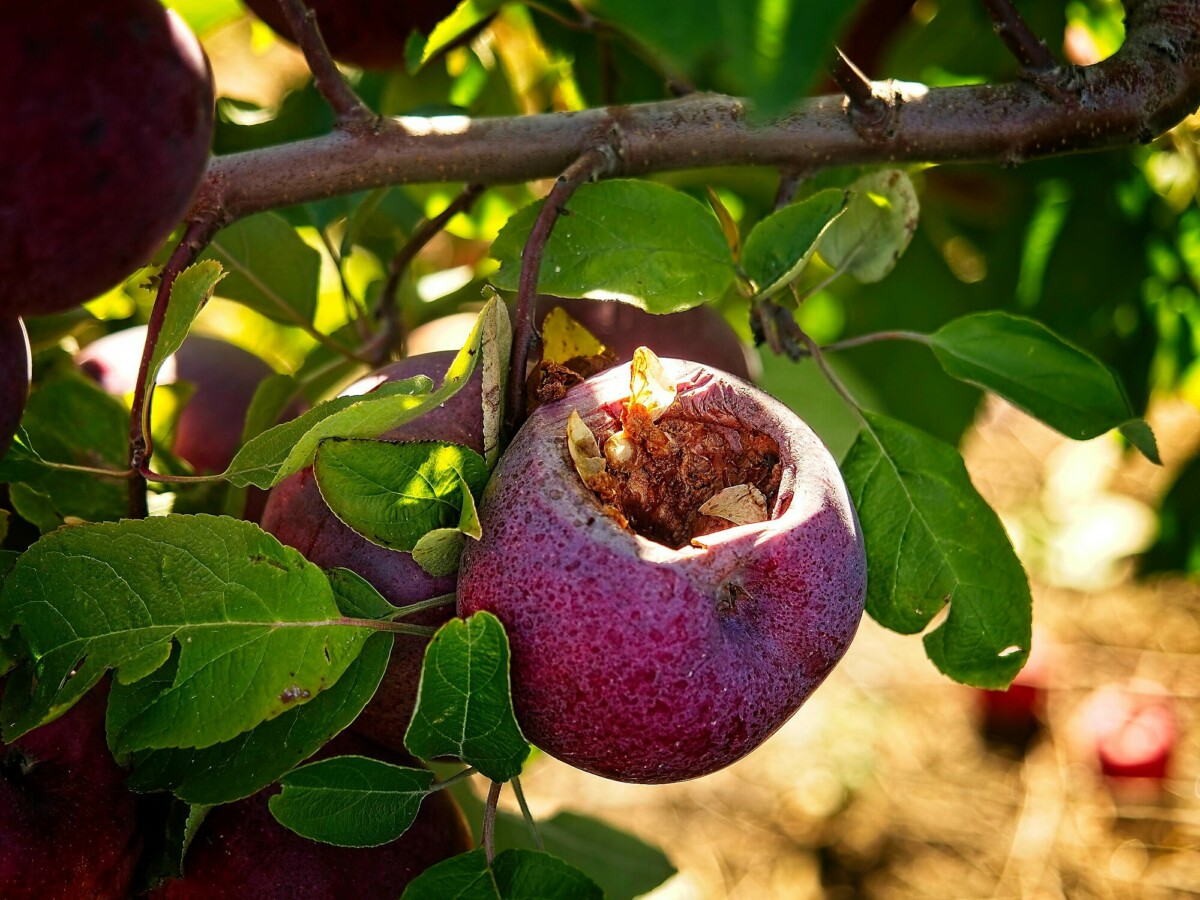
x=299 y=517
x=1133 y=732
x=15 y=374
x=655 y=659
x=67 y=821
x=241 y=852
x=108 y=121
x=1012 y=718
x=367 y=33
x=209 y=430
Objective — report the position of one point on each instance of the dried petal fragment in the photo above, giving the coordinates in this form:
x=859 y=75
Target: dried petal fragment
x=585 y=452
x=741 y=504
x=649 y=384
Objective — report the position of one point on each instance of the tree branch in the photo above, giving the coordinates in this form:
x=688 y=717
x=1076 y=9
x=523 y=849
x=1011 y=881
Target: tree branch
x=1147 y=87
x=349 y=110
x=868 y=111
x=1030 y=50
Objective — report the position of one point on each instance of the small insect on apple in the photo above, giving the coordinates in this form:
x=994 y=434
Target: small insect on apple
x=678 y=566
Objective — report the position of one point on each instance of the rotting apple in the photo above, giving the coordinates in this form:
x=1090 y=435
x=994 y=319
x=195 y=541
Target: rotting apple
x=656 y=659
x=15 y=374
x=240 y=851
x=224 y=377
x=298 y=516
x=67 y=821
x=108 y=124
x=367 y=33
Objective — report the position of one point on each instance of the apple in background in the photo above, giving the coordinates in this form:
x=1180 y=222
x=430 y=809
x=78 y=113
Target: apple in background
x=1131 y=730
x=108 y=122
x=371 y=34
x=15 y=374
x=298 y=516
x=1012 y=718
x=241 y=852
x=67 y=821
x=648 y=661
x=209 y=430
x=700 y=334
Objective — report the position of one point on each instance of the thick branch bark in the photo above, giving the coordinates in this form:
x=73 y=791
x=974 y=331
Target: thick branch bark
x=1150 y=85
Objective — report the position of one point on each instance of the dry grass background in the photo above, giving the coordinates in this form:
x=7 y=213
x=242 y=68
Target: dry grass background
x=882 y=787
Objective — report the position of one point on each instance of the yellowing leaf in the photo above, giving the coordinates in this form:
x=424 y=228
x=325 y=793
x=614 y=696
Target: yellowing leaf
x=742 y=504
x=649 y=384
x=563 y=338
x=585 y=452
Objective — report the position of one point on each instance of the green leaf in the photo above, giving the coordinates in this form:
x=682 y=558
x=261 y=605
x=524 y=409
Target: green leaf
x=515 y=875
x=1037 y=371
x=289 y=447
x=351 y=801
x=464 y=704
x=467 y=16
x=636 y=241
x=780 y=246
x=271 y=399
x=254 y=625
x=246 y=764
x=271 y=269
x=873 y=233
x=438 y=551
x=356 y=597
x=931 y=540
x=191 y=291
x=394 y=493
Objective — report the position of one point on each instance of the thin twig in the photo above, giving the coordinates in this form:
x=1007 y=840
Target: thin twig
x=790 y=180
x=353 y=311
x=348 y=108
x=876 y=337
x=593 y=164
x=533 y=829
x=426 y=231
x=868 y=111
x=814 y=351
x=195 y=238
x=1030 y=50
x=489 y=821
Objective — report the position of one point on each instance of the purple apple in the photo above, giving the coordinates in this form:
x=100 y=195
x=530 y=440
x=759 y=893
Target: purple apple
x=241 y=851
x=108 y=121
x=648 y=662
x=67 y=821
x=298 y=516
x=209 y=430
x=15 y=374
x=367 y=33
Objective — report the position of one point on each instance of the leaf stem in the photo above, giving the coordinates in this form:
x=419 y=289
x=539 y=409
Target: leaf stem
x=453 y=779
x=388 y=312
x=489 y=821
x=876 y=337
x=387 y=625
x=533 y=829
x=593 y=164
x=432 y=603
x=814 y=351
x=88 y=470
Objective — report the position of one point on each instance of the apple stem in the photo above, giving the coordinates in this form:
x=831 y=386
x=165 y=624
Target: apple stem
x=869 y=112
x=388 y=311
x=489 y=821
x=199 y=232
x=1030 y=50
x=593 y=164
x=529 y=820
x=351 y=113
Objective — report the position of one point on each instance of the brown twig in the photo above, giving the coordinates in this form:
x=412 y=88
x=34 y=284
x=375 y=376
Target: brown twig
x=348 y=108
x=592 y=164
x=789 y=183
x=195 y=238
x=488 y=838
x=1145 y=88
x=1030 y=50
x=867 y=110
x=426 y=231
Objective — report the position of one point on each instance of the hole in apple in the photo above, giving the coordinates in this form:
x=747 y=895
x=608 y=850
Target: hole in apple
x=672 y=477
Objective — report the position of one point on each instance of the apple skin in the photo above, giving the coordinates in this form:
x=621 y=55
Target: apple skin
x=225 y=376
x=1133 y=732
x=108 y=121
x=15 y=375
x=368 y=33
x=628 y=658
x=298 y=516
x=67 y=821
x=240 y=850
